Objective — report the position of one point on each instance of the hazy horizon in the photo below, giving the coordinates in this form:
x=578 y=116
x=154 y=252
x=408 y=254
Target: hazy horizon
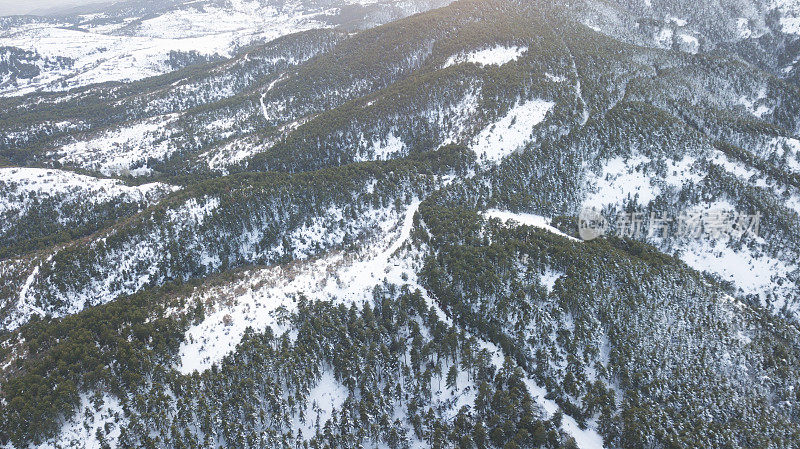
x=15 y=7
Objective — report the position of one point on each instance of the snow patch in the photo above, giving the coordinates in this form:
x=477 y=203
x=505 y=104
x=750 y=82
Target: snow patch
x=512 y=131
x=677 y=21
x=95 y=416
x=689 y=43
x=381 y=149
x=743 y=28
x=527 y=220
x=663 y=38
x=621 y=179
x=254 y=302
x=119 y=151
x=790 y=25
x=756 y=106
x=549 y=278
x=499 y=55
x=555 y=78
x=326 y=397
x=680 y=173
x=750 y=272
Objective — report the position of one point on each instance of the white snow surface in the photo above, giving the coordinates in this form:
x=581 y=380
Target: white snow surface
x=338 y=276
x=499 y=55
x=381 y=149
x=677 y=21
x=125 y=52
x=536 y=221
x=623 y=178
x=689 y=43
x=743 y=28
x=620 y=179
x=91 y=416
x=511 y=132
x=233 y=152
x=789 y=14
x=326 y=396
x=663 y=38
x=122 y=150
x=757 y=105
x=549 y=278
x=29 y=183
x=750 y=271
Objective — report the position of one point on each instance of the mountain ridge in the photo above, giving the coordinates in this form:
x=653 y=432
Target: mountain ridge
x=372 y=238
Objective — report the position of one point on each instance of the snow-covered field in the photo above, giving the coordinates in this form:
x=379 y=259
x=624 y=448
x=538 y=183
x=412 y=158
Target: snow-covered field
x=122 y=150
x=499 y=55
x=536 y=221
x=127 y=50
x=621 y=179
x=631 y=177
x=750 y=270
x=233 y=152
x=382 y=149
x=512 y=131
x=21 y=186
x=338 y=276
x=753 y=273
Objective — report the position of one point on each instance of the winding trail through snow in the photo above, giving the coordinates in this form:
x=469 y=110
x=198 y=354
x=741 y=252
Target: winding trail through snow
x=366 y=274
x=333 y=277
x=264 y=95
x=210 y=341
x=578 y=88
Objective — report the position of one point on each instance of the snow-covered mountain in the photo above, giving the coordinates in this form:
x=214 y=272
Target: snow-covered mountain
x=355 y=224
x=136 y=40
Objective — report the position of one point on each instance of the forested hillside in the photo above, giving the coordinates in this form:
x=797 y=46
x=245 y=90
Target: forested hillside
x=365 y=227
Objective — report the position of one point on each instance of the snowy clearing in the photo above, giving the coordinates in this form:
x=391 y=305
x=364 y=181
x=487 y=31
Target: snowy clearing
x=122 y=150
x=104 y=54
x=94 y=416
x=499 y=55
x=621 y=179
x=536 y=221
x=254 y=301
x=380 y=149
x=20 y=185
x=512 y=131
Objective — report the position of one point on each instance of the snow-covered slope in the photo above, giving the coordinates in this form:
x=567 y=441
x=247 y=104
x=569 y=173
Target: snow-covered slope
x=754 y=265
x=23 y=186
x=340 y=276
x=375 y=239
x=124 y=52
x=511 y=132
x=120 y=151
x=39 y=203
x=491 y=56
x=108 y=46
